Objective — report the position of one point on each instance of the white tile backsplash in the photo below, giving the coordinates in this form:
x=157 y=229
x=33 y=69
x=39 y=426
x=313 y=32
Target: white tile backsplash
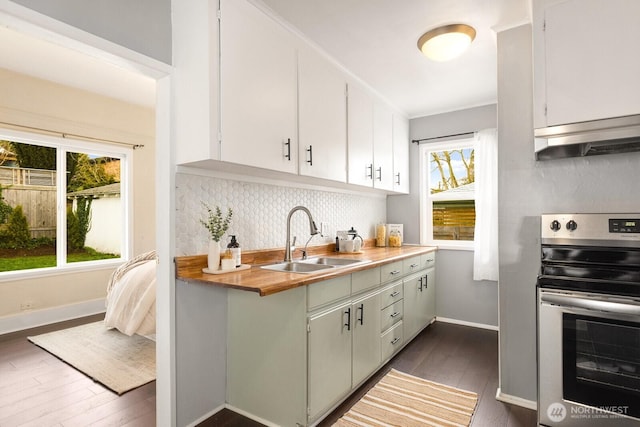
x=260 y=212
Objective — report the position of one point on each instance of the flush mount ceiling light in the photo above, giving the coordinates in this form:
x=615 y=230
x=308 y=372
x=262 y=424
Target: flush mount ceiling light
x=447 y=42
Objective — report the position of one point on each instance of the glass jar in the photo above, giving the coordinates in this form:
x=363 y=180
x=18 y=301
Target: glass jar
x=395 y=240
x=381 y=235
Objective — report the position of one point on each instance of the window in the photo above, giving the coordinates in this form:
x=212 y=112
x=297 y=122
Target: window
x=448 y=193
x=63 y=203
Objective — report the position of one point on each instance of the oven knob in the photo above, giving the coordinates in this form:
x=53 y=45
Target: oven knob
x=571 y=225
x=555 y=225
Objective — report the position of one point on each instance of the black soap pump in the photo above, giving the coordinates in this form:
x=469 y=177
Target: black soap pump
x=235 y=250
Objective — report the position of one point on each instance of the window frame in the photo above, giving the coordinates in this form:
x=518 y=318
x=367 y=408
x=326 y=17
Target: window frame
x=426 y=200
x=64 y=144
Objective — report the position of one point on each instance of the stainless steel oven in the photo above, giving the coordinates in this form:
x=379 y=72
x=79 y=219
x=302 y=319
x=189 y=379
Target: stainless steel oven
x=589 y=320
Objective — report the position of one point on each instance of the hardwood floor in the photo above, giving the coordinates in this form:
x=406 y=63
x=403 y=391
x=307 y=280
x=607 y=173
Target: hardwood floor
x=455 y=355
x=37 y=389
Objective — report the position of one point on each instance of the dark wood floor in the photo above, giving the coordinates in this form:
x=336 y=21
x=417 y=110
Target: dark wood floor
x=455 y=355
x=37 y=389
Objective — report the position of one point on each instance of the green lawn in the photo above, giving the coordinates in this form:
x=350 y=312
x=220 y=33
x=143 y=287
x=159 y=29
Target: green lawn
x=42 y=261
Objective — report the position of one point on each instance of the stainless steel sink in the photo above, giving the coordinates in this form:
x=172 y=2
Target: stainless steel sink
x=297 y=267
x=336 y=262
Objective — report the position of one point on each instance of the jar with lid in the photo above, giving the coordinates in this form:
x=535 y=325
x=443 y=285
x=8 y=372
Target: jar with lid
x=395 y=239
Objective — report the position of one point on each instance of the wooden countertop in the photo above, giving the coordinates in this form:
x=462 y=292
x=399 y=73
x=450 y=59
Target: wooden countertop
x=267 y=282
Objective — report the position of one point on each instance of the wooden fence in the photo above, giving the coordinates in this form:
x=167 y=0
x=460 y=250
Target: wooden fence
x=23 y=176
x=454 y=220
x=39 y=206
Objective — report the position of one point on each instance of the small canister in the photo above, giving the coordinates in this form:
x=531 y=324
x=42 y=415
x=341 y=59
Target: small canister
x=381 y=235
x=395 y=240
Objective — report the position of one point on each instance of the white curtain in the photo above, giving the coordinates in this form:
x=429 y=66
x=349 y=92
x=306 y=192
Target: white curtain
x=485 y=259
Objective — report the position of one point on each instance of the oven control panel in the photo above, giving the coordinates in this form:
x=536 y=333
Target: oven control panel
x=624 y=225
x=593 y=229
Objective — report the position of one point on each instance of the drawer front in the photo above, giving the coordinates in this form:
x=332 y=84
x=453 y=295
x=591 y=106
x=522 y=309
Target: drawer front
x=411 y=265
x=391 y=294
x=428 y=260
x=327 y=291
x=365 y=279
x=391 y=341
x=391 y=315
x=391 y=271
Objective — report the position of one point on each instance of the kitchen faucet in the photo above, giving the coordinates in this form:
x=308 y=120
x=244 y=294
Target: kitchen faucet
x=312 y=230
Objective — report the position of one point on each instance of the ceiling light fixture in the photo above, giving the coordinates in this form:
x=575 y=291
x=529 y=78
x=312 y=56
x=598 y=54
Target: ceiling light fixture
x=447 y=42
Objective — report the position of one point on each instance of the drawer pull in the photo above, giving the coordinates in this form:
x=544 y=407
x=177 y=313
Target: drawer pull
x=394 y=272
x=414 y=265
x=394 y=294
x=395 y=340
x=396 y=314
x=348 y=324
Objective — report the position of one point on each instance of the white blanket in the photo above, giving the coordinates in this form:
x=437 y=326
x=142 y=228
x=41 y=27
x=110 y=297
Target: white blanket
x=131 y=300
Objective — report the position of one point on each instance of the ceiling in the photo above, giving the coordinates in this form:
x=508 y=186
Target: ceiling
x=374 y=39
x=377 y=41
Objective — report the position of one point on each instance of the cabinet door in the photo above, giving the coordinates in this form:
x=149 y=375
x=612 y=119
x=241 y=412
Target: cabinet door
x=427 y=298
x=400 y=154
x=322 y=118
x=366 y=337
x=329 y=353
x=592 y=65
x=258 y=89
x=411 y=300
x=360 y=137
x=382 y=147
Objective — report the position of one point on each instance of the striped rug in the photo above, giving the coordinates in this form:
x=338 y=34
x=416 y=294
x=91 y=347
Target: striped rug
x=400 y=399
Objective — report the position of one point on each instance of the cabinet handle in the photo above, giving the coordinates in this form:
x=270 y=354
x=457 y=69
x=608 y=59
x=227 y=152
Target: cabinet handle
x=348 y=324
x=288 y=144
x=379 y=172
x=310 y=151
x=396 y=314
x=426 y=281
x=361 y=308
x=420 y=281
x=394 y=294
x=395 y=340
x=370 y=173
x=394 y=272
x=398 y=178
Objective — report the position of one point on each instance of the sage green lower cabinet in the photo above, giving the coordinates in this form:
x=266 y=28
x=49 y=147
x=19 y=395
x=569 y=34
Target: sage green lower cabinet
x=329 y=369
x=295 y=355
x=366 y=337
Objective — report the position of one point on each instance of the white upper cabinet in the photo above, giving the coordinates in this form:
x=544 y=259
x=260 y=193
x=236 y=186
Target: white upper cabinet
x=382 y=147
x=586 y=64
x=322 y=120
x=360 y=136
x=195 y=81
x=258 y=89
x=400 y=154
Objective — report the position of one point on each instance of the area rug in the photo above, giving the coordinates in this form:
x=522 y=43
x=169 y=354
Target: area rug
x=119 y=362
x=400 y=399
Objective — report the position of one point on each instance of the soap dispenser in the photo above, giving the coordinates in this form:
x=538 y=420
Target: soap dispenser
x=234 y=246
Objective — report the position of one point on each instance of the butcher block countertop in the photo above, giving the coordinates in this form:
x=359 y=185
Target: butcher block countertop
x=267 y=282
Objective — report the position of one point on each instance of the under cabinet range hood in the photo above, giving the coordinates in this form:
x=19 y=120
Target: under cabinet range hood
x=607 y=136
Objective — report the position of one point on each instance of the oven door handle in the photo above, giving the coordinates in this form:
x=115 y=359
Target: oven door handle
x=591 y=304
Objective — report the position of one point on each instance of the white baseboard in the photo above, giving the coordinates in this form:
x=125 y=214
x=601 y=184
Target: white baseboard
x=34 y=318
x=465 y=323
x=250 y=416
x=207 y=416
x=514 y=400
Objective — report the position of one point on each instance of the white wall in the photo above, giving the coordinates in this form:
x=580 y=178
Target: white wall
x=141 y=25
x=458 y=297
x=105 y=234
x=31 y=102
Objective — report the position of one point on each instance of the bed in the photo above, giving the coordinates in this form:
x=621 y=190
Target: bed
x=131 y=296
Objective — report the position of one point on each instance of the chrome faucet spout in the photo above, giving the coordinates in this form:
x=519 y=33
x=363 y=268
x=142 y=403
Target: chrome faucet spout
x=312 y=230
